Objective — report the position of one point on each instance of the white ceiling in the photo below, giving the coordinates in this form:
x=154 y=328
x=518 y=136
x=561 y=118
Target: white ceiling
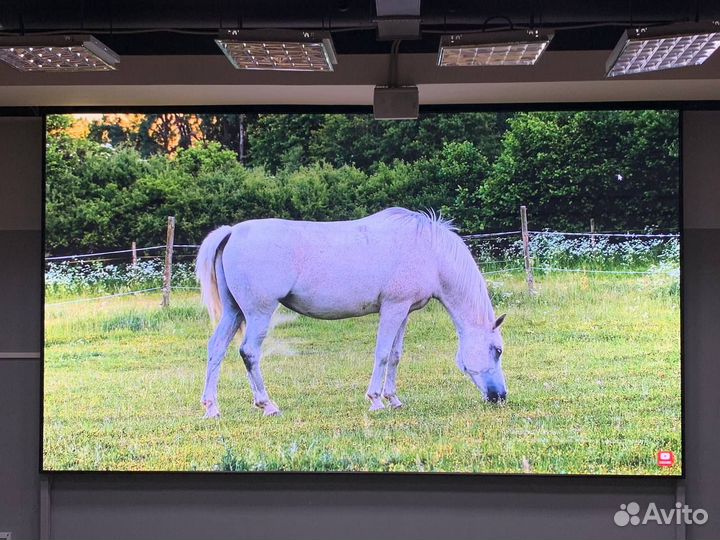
x=558 y=77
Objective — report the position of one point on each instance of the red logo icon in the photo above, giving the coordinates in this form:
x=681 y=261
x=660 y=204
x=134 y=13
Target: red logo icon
x=665 y=458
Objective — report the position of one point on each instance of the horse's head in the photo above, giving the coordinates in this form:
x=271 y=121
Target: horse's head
x=480 y=357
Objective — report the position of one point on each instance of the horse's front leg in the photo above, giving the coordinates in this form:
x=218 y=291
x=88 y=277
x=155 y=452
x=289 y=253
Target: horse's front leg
x=251 y=352
x=391 y=319
x=217 y=347
x=389 y=389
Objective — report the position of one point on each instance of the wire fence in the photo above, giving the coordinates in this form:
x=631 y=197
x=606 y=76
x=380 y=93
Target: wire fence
x=102 y=253
x=479 y=236
x=609 y=234
x=496 y=253
x=104 y=297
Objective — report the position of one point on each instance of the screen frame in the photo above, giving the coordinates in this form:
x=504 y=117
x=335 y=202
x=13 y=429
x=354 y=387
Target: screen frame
x=678 y=107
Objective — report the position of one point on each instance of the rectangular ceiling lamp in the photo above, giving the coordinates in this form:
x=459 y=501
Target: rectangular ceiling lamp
x=513 y=48
x=278 y=50
x=642 y=50
x=57 y=53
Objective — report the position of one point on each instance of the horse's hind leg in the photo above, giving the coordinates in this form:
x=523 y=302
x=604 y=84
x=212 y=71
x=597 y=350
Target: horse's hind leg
x=256 y=330
x=389 y=388
x=392 y=317
x=230 y=323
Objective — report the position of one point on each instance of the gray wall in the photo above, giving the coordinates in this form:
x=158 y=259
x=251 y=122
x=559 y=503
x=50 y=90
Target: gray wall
x=20 y=322
x=305 y=506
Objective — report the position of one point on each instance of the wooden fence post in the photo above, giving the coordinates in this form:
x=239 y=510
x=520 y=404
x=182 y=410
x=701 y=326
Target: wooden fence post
x=167 y=278
x=592 y=232
x=134 y=253
x=526 y=250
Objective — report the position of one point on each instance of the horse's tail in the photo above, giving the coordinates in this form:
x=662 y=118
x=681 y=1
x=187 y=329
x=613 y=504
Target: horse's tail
x=208 y=253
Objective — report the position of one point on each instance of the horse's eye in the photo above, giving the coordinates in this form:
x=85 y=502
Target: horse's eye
x=499 y=350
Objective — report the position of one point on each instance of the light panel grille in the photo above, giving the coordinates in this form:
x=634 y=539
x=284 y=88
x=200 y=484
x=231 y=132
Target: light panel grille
x=302 y=51
x=57 y=54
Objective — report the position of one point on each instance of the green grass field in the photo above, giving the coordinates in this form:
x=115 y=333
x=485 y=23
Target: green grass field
x=592 y=364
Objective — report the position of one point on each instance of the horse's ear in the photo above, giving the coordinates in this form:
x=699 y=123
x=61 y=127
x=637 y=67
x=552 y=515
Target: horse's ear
x=499 y=321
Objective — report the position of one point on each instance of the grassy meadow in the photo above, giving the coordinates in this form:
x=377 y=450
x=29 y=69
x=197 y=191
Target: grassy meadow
x=592 y=365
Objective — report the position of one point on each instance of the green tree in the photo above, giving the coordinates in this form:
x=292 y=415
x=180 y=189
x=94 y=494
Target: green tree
x=203 y=186
x=362 y=141
x=618 y=167
x=230 y=130
x=293 y=141
x=282 y=141
x=436 y=183
x=321 y=192
x=85 y=191
x=57 y=124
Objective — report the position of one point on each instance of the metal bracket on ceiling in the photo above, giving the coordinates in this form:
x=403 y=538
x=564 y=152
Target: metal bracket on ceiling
x=397 y=19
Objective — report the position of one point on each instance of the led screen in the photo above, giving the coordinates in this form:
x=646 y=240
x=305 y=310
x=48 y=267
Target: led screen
x=470 y=292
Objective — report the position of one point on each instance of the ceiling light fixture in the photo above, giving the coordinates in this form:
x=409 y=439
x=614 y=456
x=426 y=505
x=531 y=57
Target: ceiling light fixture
x=654 y=48
x=72 y=53
x=511 y=48
x=278 y=50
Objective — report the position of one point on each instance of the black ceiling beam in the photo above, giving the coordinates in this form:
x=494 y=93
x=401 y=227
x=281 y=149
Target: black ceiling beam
x=45 y=15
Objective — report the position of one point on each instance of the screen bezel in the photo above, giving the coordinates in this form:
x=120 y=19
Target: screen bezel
x=678 y=107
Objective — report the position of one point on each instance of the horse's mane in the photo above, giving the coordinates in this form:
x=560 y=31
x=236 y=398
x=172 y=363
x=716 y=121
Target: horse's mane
x=423 y=218
x=447 y=243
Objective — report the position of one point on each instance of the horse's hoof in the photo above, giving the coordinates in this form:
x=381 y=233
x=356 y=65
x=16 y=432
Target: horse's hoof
x=270 y=409
x=211 y=410
x=394 y=402
x=376 y=406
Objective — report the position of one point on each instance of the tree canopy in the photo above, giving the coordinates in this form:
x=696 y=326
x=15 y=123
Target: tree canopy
x=115 y=179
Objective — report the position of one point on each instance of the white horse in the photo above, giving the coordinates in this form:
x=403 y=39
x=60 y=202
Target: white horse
x=392 y=262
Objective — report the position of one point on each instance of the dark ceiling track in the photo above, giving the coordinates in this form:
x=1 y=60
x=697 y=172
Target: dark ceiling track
x=50 y=15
